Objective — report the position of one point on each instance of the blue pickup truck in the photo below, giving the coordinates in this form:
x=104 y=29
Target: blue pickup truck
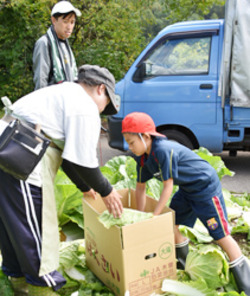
x=193 y=79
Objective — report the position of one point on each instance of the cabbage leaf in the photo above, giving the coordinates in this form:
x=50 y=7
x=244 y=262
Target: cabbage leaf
x=68 y=200
x=215 y=161
x=178 y=288
x=208 y=262
x=129 y=216
x=197 y=234
x=194 y=288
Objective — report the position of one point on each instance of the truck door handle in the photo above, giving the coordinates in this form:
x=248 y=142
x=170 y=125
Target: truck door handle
x=206 y=86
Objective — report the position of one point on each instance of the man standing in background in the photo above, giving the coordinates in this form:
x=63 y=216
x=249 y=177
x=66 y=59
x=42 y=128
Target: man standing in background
x=53 y=59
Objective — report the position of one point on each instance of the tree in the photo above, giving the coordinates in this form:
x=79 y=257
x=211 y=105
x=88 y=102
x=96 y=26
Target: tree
x=167 y=12
x=190 y=9
x=20 y=23
x=110 y=34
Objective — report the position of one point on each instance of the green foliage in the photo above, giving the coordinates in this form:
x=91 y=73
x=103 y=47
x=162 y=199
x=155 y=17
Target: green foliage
x=216 y=274
x=215 y=161
x=197 y=234
x=129 y=216
x=110 y=34
x=194 y=288
x=242 y=199
x=20 y=24
x=198 y=49
x=121 y=172
x=79 y=277
x=190 y=9
x=68 y=201
x=5 y=286
x=166 y=12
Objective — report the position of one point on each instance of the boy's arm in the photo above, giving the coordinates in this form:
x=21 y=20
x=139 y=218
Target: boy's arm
x=140 y=195
x=165 y=195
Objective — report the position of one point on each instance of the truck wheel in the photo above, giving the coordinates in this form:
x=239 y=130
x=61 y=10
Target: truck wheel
x=179 y=137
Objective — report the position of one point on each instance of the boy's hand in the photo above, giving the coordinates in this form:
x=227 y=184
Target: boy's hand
x=113 y=203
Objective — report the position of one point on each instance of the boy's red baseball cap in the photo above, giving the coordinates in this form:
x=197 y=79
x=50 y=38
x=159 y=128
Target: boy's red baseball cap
x=139 y=122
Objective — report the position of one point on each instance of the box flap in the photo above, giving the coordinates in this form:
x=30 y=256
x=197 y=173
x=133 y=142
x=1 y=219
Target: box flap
x=150 y=229
x=97 y=204
x=95 y=228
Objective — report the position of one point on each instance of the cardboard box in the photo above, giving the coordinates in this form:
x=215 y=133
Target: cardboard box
x=133 y=259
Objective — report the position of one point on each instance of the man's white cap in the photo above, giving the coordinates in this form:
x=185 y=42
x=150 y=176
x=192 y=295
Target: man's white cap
x=65 y=7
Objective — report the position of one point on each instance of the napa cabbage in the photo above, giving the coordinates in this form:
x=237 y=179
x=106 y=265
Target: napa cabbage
x=129 y=216
x=208 y=262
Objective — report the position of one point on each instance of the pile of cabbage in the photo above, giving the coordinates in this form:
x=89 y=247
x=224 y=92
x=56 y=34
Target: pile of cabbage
x=207 y=272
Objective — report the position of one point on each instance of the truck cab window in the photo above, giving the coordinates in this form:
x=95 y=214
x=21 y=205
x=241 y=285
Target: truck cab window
x=185 y=56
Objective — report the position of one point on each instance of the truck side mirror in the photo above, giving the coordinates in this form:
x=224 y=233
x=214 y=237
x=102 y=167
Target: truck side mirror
x=140 y=73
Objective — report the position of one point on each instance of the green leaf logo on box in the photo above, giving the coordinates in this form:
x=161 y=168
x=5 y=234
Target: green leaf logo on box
x=165 y=250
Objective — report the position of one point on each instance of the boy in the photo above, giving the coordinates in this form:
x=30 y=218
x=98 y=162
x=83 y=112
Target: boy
x=199 y=194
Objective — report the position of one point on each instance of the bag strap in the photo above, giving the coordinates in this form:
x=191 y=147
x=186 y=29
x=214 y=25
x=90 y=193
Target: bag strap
x=8 y=108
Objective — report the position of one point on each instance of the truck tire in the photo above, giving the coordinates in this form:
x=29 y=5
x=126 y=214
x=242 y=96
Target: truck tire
x=179 y=137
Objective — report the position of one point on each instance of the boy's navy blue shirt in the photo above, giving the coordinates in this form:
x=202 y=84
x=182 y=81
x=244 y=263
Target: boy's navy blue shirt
x=196 y=177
